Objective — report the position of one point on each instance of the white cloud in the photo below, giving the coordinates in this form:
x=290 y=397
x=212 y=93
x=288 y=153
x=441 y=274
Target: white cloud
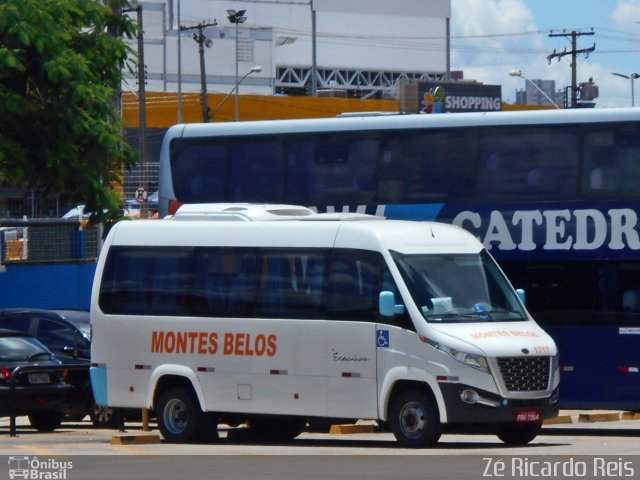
x=626 y=14
x=488 y=50
x=501 y=42
x=475 y=17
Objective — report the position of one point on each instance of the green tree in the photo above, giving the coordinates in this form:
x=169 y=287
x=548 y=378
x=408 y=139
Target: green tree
x=61 y=64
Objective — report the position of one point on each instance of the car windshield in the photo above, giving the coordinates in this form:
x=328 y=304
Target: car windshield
x=459 y=288
x=15 y=349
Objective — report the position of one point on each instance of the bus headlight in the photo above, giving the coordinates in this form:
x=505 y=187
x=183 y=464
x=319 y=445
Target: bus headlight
x=474 y=361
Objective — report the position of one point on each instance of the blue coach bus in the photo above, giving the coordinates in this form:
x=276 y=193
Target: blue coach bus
x=553 y=195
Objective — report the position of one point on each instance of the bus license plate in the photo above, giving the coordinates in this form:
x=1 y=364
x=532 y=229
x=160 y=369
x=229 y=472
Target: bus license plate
x=528 y=416
x=39 y=378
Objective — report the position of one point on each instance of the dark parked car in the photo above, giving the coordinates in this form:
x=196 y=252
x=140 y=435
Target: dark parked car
x=64 y=332
x=40 y=390
x=67 y=334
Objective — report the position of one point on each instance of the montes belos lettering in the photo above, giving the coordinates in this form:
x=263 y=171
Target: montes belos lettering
x=210 y=343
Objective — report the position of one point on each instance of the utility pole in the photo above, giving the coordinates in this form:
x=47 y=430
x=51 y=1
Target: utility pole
x=142 y=118
x=574 y=52
x=142 y=103
x=202 y=40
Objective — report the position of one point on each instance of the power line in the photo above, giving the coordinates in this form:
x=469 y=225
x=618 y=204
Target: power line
x=574 y=52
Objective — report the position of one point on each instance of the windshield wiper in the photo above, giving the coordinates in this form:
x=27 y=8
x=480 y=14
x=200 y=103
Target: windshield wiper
x=454 y=315
x=37 y=355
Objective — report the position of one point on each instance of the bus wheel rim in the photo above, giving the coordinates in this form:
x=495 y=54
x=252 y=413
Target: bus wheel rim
x=413 y=420
x=175 y=416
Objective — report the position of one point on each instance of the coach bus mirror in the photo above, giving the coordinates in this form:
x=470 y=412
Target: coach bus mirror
x=522 y=295
x=387 y=305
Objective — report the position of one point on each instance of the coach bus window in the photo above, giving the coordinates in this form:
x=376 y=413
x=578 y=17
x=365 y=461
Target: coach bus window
x=344 y=170
x=628 y=293
x=256 y=172
x=560 y=293
x=199 y=171
x=421 y=166
x=528 y=165
x=298 y=174
x=611 y=164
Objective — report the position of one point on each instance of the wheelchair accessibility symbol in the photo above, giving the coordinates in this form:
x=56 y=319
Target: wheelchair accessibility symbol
x=382 y=338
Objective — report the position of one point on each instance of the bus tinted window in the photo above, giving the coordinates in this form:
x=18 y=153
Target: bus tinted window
x=334 y=169
x=147 y=281
x=531 y=164
x=199 y=170
x=356 y=279
x=247 y=282
x=420 y=166
x=612 y=162
x=256 y=172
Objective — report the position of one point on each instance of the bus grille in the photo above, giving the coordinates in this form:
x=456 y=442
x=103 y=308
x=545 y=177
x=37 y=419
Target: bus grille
x=525 y=374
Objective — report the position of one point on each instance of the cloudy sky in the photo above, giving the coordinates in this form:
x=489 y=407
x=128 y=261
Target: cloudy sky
x=491 y=37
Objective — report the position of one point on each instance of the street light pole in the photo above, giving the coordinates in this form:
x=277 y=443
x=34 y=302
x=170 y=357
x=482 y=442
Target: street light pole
x=518 y=73
x=179 y=68
x=631 y=77
x=255 y=69
x=237 y=17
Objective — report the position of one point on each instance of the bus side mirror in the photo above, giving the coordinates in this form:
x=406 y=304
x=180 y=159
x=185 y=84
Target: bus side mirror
x=522 y=295
x=387 y=305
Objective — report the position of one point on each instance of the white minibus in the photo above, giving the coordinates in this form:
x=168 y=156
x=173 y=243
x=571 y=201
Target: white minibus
x=289 y=316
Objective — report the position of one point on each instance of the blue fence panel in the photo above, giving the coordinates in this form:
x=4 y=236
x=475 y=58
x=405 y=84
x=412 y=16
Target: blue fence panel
x=59 y=285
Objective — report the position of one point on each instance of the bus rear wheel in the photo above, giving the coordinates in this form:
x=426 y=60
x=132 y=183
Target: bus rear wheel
x=519 y=434
x=414 y=419
x=180 y=419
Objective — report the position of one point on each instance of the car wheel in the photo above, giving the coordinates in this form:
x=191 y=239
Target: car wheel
x=519 y=434
x=414 y=419
x=102 y=417
x=180 y=419
x=46 y=420
x=276 y=428
x=209 y=432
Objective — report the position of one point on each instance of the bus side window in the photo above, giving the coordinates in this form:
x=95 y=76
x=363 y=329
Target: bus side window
x=170 y=282
x=345 y=297
x=215 y=271
x=291 y=285
x=631 y=301
x=314 y=280
x=242 y=292
x=356 y=279
x=277 y=288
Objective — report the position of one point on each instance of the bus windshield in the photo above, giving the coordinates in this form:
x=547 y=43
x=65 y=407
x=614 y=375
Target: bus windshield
x=458 y=288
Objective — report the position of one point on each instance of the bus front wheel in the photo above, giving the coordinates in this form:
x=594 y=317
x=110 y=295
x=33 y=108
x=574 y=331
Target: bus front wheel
x=180 y=419
x=414 y=419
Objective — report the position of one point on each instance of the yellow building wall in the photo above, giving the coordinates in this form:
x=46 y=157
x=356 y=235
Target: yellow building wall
x=162 y=107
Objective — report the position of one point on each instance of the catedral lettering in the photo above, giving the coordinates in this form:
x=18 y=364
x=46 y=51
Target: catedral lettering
x=206 y=343
x=580 y=229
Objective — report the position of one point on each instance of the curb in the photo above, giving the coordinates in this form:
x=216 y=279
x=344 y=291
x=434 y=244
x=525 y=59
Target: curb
x=344 y=429
x=559 y=420
x=135 y=439
x=598 y=417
